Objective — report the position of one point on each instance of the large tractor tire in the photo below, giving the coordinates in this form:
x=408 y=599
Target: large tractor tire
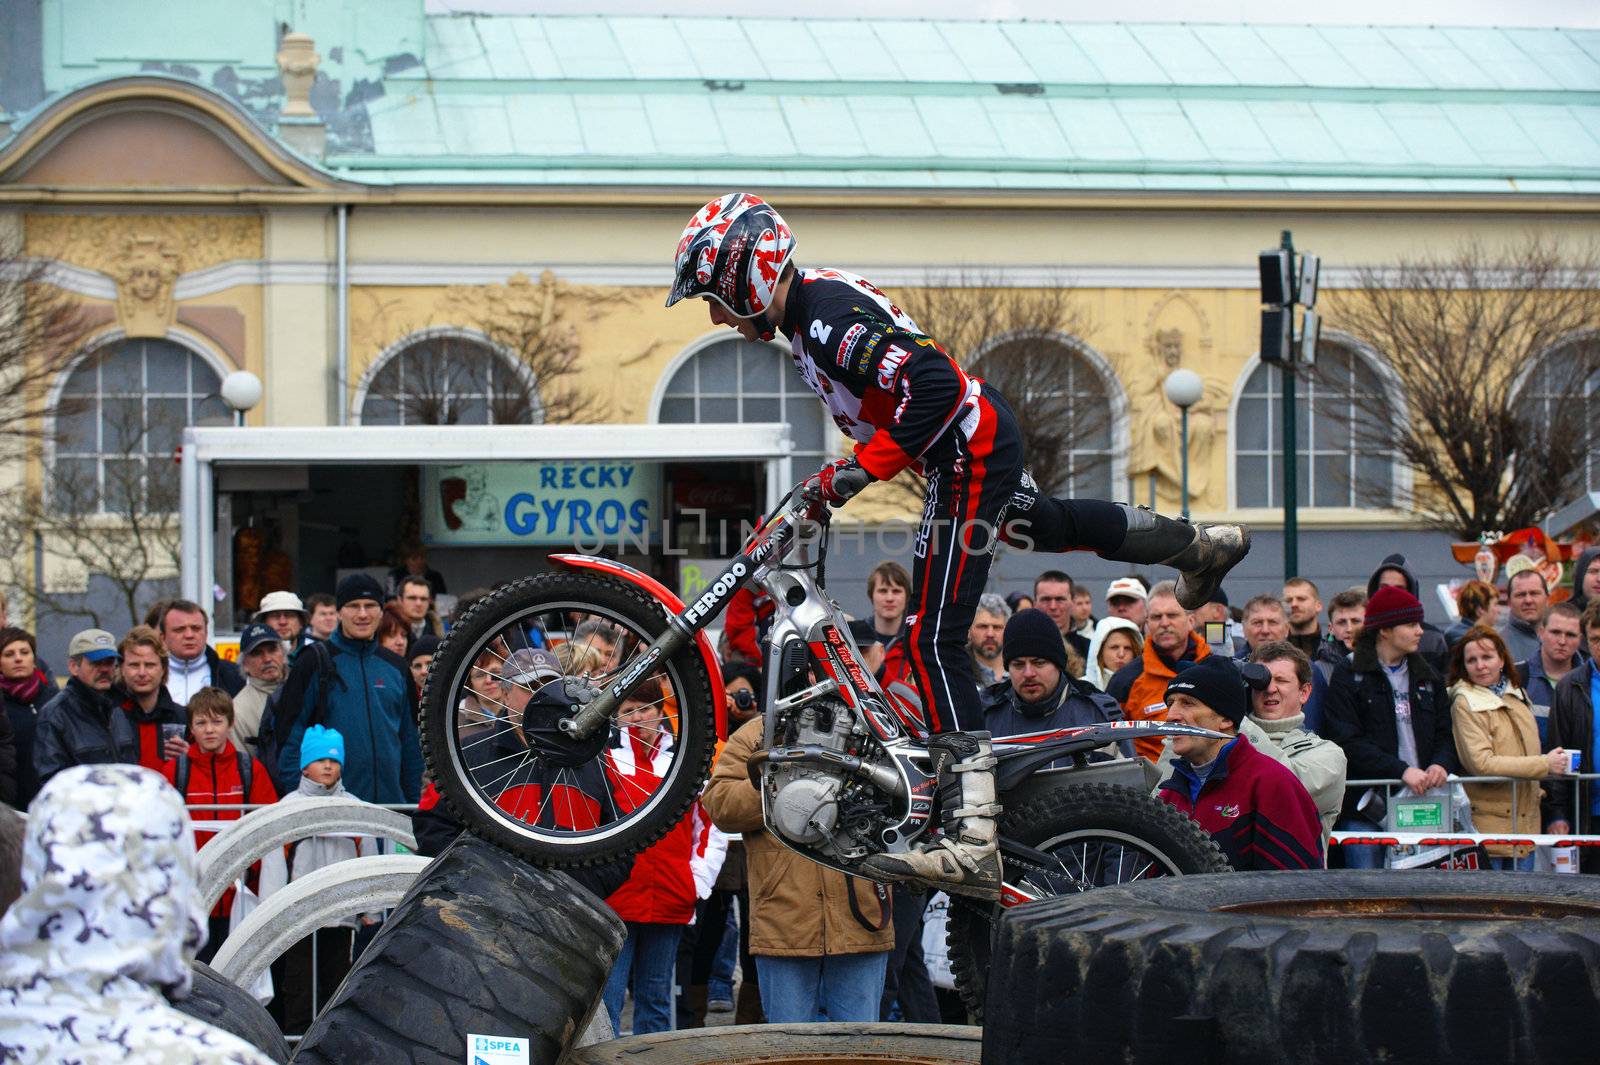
x=483 y=944
x=1314 y=967
x=1147 y=838
x=221 y=1003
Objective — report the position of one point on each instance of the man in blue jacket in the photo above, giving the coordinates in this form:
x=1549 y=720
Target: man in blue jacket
x=369 y=698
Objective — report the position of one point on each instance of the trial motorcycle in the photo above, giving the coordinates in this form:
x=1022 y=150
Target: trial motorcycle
x=537 y=737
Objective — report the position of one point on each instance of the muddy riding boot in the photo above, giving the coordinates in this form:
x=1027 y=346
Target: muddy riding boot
x=1202 y=554
x=963 y=860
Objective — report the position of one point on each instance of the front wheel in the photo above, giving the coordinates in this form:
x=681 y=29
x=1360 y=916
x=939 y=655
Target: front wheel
x=527 y=656
x=1098 y=835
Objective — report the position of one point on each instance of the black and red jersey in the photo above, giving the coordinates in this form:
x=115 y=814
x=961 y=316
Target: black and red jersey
x=886 y=385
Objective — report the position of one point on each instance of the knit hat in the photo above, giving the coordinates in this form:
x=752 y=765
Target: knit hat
x=422 y=645
x=1389 y=606
x=1216 y=682
x=358 y=586
x=1031 y=634
x=318 y=743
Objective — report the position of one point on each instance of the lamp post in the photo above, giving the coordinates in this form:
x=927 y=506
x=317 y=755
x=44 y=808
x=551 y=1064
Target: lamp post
x=1184 y=387
x=241 y=391
x=1289 y=281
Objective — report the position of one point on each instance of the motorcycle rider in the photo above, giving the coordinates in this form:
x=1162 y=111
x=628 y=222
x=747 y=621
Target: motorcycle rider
x=907 y=403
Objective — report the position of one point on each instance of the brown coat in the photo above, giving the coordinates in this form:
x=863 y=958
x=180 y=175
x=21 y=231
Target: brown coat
x=798 y=909
x=1496 y=737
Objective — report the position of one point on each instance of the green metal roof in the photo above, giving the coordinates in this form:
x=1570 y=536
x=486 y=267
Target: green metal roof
x=656 y=100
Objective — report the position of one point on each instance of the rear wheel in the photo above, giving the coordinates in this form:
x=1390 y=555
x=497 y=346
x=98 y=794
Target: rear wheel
x=1098 y=835
x=529 y=655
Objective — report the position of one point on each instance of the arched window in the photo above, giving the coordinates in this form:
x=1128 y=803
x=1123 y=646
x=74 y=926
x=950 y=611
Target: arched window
x=740 y=381
x=1561 y=399
x=448 y=379
x=1335 y=468
x=120 y=418
x=1066 y=410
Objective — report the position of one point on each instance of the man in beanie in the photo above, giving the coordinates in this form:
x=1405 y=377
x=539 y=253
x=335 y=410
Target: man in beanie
x=1255 y=809
x=1039 y=693
x=1389 y=710
x=350 y=684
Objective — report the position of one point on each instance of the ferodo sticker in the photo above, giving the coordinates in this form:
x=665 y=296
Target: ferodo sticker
x=710 y=596
x=496 y=1050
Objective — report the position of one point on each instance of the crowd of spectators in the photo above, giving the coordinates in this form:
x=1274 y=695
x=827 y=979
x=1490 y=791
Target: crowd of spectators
x=1303 y=693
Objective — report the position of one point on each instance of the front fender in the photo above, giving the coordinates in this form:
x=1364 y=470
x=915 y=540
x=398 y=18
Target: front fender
x=1021 y=756
x=673 y=606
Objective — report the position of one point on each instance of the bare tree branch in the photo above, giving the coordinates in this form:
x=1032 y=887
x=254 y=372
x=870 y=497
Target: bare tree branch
x=1019 y=340
x=1496 y=356
x=125 y=531
x=41 y=328
x=533 y=324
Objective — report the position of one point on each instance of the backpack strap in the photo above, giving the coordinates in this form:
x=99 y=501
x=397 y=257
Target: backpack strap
x=885 y=911
x=180 y=776
x=246 y=772
x=327 y=674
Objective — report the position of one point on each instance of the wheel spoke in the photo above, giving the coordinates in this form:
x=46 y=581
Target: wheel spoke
x=487 y=693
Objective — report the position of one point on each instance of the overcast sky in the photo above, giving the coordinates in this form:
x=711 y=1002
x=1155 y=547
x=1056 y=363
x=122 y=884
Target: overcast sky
x=1572 y=13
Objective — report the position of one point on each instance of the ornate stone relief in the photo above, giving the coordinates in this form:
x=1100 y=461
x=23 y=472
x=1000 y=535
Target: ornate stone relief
x=1177 y=333
x=144 y=255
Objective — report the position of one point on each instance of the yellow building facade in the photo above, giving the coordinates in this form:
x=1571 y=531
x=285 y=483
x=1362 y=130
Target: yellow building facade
x=176 y=217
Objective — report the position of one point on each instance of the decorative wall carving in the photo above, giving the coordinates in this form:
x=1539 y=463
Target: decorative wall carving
x=1177 y=331
x=144 y=254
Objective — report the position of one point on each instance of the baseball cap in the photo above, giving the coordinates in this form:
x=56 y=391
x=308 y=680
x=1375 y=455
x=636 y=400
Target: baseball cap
x=531 y=665
x=1126 y=588
x=97 y=645
x=253 y=636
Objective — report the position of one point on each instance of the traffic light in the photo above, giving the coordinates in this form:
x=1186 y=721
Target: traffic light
x=1277 y=276
x=1277 y=334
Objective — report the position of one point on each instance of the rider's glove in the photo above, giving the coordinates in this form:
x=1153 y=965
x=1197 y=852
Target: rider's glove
x=837 y=482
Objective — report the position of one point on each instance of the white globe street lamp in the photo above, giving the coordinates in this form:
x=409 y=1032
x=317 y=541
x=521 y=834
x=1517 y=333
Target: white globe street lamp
x=1184 y=388
x=241 y=390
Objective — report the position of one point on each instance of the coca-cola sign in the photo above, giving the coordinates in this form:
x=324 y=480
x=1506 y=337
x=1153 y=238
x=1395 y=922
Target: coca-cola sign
x=713 y=496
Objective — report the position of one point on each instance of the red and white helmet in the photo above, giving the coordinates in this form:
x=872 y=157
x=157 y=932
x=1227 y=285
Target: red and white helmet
x=733 y=250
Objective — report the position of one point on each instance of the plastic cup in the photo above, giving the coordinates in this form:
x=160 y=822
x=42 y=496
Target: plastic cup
x=1574 y=761
x=170 y=731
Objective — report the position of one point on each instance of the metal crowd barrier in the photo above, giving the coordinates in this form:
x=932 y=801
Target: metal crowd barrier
x=1447 y=836
x=269 y=923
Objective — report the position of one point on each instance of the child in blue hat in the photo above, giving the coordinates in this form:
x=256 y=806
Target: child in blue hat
x=322 y=761
x=321 y=766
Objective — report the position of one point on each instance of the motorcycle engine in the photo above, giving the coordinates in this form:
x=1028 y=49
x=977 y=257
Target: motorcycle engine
x=809 y=804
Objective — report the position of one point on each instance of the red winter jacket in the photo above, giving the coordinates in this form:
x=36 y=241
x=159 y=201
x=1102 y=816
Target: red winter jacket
x=1254 y=807
x=749 y=613
x=214 y=779
x=674 y=872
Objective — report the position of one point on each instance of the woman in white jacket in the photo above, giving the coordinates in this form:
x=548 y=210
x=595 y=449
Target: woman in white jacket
x=1115 y=643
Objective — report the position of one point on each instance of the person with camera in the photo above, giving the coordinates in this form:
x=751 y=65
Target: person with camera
x=1255 y=808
